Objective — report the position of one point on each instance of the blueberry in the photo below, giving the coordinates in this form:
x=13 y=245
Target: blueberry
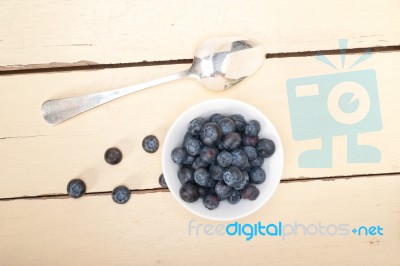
x=223 y=190
x=252 y=128
x=249 y=141
x=121 y=194
x=161 y=181
x=227 y=125
x=189 y=192
x=239 y=122
x=251 y=152
x=234 y=197
x=189 y=136
x=198 y=163
x=211 y=201
x=257 y=175
x=265 y=148
x=150 y=144
x=232 y=176
x=203 y=191
x=193 y=146
x=210 y=134
x=247 y=167
x=250 y=192
x=179 y=155
x=216 y=117
x=211 y=183
x=239 y=159
x=216 y=172
x=195 y=126
x=211 y=190
x=245 y=181
x=201 y=176
x=113 y=156
x=189 y=160
x=220 y=146
x=231 y=140
x=257 y=162
x=185 y=175
x=76 y=188
x=224 y=159
x=208 y=154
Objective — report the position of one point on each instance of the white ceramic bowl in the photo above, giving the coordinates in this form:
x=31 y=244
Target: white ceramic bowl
x=273 y=166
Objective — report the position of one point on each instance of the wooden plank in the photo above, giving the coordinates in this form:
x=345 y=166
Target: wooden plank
x=153 y=229
x=38 y=34
x=40 y=159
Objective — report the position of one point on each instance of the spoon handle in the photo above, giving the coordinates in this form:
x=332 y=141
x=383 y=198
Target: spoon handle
x=58 y=110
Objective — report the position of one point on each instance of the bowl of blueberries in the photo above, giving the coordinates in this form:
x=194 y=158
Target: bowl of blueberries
x=222 y=159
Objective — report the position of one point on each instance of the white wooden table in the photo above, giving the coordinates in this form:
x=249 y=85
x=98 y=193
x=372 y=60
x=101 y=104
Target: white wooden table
x=51 y=49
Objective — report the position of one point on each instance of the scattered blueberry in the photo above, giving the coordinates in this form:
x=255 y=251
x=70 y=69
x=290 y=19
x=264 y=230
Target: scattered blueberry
x=257 y=162
x=251 y=152
x=195 y=126
x=210 y=134
x=232 y=176
x=201 y=176
x=216 y=172
x=161 y=181
x=179 y=155
x=257 y=175
x=223 y=190
x=199 y=163
x=211 y=201
x=227 y=125
x=234 y=197
x=249 y=141
x=239 y=159
x=239 y=122
x=189 y=192
x=216 y=117
x=150 y=144
x=252 y=128
x=121 y=194
x=250 y=192
x=231 y=140
x=265 y=147
x=186 y=175
x=208 y=154
x=76 y=188
x=193 y=146
x=224 y=159
x=113 y=156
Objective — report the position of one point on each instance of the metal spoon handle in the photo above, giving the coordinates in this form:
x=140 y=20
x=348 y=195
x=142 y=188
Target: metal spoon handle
x=58 y=110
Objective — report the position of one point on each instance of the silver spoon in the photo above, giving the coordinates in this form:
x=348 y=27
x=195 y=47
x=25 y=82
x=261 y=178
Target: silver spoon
x=219 y=63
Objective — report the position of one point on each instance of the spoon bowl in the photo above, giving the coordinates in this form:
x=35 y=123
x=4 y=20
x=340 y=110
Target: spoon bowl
x=219 y=63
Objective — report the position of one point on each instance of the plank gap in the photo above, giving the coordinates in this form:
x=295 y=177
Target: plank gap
x=97 y=193
x=156 y=190
x=68 y=67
